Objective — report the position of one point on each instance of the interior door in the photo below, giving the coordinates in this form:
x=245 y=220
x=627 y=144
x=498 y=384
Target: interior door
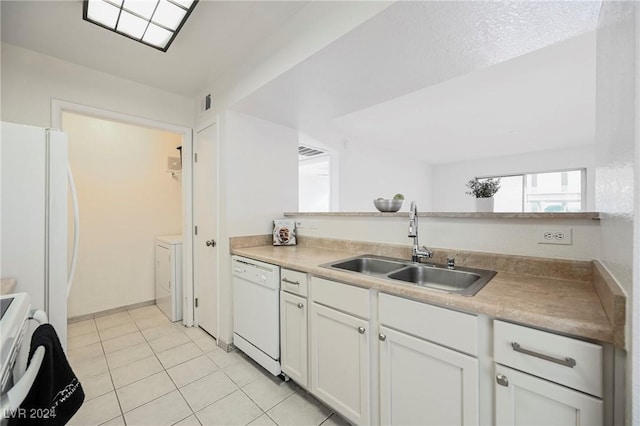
x=205 y=213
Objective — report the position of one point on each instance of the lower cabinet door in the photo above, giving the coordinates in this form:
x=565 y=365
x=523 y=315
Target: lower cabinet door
x=293 y=337
x=522 y=399
x=340 y=362
x=422 y=383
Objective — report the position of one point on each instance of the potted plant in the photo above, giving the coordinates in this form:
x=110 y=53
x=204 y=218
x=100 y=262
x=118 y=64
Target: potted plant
x=483 y=190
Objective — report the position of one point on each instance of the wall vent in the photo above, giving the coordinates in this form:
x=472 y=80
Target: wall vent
x=206 y=103
x=308 y=152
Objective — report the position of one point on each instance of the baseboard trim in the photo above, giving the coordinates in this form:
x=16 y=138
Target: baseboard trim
x=106 y=312
x=225 y=346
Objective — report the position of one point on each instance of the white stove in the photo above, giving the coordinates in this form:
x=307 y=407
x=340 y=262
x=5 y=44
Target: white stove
x=13 y=324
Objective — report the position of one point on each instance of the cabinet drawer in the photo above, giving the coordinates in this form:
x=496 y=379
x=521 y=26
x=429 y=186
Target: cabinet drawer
x=293 y=281
x=446 y=327
x=560 y=359
x=344 y=297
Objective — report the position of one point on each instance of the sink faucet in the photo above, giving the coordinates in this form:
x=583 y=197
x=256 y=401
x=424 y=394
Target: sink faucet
x=417 y=252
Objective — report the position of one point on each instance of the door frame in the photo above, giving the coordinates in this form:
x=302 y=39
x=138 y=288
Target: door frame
x=60 y=106
x=196 y=131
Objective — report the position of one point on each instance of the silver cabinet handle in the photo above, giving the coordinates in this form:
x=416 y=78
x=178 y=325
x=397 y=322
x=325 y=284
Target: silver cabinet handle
x=300 y=305
x=502 y=380
x=382 y=337
x=211 y=243
x=567 y=361
x=361 y=330
x=290 y=282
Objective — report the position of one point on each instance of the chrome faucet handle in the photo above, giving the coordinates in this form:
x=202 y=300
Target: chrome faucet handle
x=417 y=254
x=427 y=251
x=451 y=263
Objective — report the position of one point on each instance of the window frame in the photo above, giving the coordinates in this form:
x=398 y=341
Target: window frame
x=583 y=183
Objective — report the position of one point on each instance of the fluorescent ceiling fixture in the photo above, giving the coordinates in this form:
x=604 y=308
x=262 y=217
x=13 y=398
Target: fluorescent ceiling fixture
x=152 y=22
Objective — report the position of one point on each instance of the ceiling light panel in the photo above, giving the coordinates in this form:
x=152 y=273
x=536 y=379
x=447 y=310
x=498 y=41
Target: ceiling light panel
x=142 y=8
x=168 y=15
x=157 y=36
x=131 y=25
x=184 y=3
x=152 y=22
x=103 y=13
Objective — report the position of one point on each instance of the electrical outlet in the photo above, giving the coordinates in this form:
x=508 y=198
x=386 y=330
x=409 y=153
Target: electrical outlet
x=554 y=236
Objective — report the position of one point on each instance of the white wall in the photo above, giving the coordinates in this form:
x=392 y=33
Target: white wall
x=30 y=80
x=507 y=236
x=249 y=161
x=618 y=167
x=258 y=171
x=315 y=26
x=314 y=184
x=449 y=180
x=261 y=178
x=126 y=198
x=367 y=174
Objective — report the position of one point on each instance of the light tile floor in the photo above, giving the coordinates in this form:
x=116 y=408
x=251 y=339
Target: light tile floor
x=138 y=368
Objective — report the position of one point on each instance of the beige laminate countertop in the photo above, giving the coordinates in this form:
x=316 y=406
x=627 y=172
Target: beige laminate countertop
x=559 y=305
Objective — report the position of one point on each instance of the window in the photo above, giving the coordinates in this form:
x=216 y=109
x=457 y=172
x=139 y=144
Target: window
x=562 y=191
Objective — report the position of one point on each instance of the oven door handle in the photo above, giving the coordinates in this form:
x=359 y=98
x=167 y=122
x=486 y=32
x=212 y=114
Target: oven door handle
x=12 y=400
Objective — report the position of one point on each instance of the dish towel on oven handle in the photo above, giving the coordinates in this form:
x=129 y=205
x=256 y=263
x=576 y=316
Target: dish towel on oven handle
x=56 y=394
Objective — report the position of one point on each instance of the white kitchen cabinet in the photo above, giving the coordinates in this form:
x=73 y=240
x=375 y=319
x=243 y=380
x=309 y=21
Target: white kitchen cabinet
x=425 y=378
x=293 y=337
x=422 y=383
x=168 y=275
x=523 y=399
x=340 y=351
x=558 y=381
x=294 y=282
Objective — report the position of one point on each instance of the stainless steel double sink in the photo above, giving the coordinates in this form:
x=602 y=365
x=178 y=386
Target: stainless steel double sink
x=463 y=281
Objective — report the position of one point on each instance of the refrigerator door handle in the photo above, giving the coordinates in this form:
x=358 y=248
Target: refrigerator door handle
x=76 y=228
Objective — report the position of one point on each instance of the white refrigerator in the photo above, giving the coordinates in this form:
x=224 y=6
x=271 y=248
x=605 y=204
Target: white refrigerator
x=34 y=217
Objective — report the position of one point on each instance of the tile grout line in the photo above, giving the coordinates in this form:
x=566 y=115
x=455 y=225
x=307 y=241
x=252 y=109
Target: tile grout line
x=110 y=378
x=256 y=403
x=211 y=403
x=161 y=364
x=109 y=369
x=124 y=420
x=155 y=354
x=191 y=339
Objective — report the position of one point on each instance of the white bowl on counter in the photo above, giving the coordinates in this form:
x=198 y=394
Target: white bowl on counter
x=388 y=206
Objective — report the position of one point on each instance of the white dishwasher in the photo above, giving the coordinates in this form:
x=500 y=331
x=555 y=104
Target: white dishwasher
x=256 y=311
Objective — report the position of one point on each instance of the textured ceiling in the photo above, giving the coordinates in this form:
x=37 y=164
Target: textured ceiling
x=490 y=78
x=416 y=45
x=217 y=35
x=544 y=100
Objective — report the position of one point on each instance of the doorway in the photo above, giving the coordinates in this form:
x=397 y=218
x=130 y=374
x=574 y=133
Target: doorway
x=205 y=195
x=104 y=217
